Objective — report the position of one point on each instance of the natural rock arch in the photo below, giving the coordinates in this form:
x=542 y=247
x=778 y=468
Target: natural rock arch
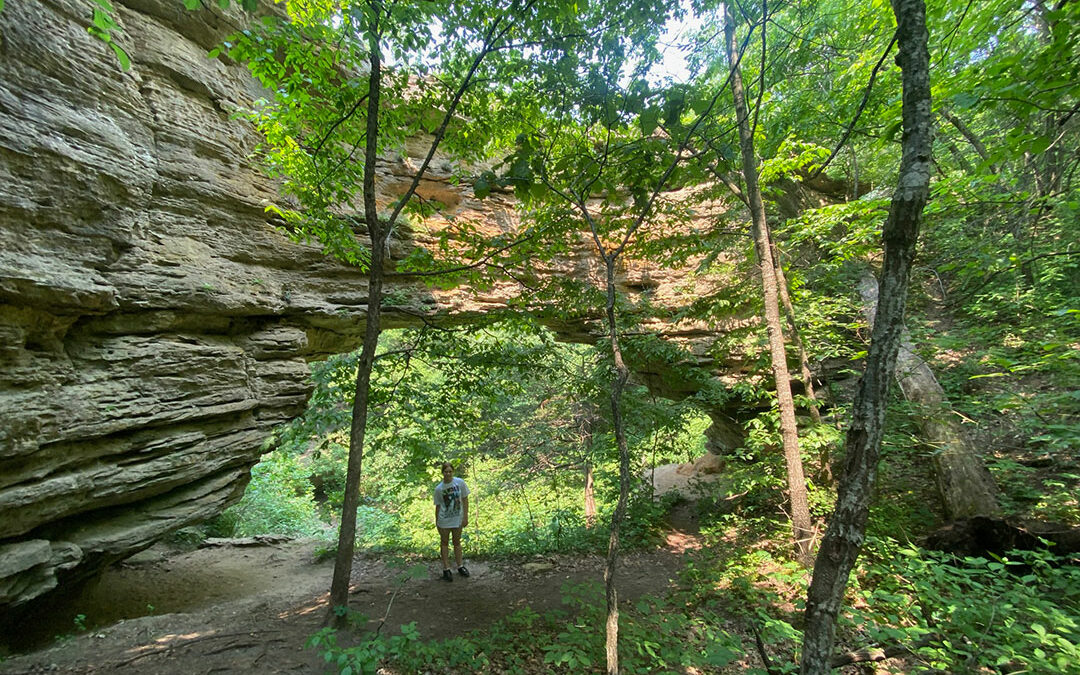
x=155 y=325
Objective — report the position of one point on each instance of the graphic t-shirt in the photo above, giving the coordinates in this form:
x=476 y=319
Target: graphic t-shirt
x=448 y=498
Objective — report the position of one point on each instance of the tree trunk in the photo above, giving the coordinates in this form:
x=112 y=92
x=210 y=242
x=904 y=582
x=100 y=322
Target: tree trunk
x=971 y=138
x=339 y=587
x=965 y=485
x=590 y=498
x=796 y=338
x=824 y=462
x=847 y=527
x=619 y=378
x=800 y=511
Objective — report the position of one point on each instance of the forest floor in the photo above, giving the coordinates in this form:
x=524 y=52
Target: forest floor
x=247 y=606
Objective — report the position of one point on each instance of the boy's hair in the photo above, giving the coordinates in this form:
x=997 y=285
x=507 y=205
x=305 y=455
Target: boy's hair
x=446 y=464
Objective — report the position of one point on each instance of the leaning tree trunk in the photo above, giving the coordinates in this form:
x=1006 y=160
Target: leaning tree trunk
x=339 y=586
x=800 y=510
x=965 y=485
x=796 y=338
x=847 y=527
x=824 y=473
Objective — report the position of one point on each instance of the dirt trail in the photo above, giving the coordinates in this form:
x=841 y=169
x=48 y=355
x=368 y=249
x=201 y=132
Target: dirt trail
x=237 y=608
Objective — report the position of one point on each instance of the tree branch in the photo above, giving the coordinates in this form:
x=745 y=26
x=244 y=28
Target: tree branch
x=858 y=113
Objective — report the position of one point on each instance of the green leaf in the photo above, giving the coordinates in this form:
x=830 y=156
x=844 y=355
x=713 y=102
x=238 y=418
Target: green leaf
x=648 y=120
x=965 y=100
x=224 y=4
x=104 y=21
x=214 y=53
x=481 y=188
x=249 y=5
x=891 y=131
x=192 y=5
x=1 y=5
x=125 y=60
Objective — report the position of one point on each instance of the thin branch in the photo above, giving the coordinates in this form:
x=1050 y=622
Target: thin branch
x=955 y=29
x=682 y=147
x=990 y=277
x=858 y=113
x=731 y=185
x=761 y=75
x=971 y=138
x=470 y=266
x=333 y=127
x=1016 y=99
x=494 y=35
x=760 y=644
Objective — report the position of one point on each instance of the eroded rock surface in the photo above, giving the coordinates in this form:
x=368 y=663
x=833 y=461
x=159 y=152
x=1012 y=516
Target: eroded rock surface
x=153 y=325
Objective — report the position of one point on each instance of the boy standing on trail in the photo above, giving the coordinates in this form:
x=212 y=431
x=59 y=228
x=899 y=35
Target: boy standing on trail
x=451 y=516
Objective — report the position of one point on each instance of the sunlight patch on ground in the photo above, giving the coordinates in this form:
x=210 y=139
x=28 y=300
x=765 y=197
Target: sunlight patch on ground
x=169 y=640
x=318 y=604
x=681 y=542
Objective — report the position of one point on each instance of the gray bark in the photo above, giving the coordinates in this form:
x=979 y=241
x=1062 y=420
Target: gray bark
x=339 y=586
x=619 y=377
x=797 y=496
x=847 y=527
x=965 y=485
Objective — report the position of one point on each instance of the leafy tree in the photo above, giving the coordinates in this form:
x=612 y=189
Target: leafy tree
x=335 y=97
x=763 y=244
x=847 y=527
x=593 y=162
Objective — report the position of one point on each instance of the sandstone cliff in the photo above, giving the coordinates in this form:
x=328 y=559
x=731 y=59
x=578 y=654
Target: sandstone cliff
x=153 y=325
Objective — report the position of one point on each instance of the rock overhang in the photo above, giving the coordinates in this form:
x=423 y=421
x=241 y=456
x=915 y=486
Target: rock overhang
x=155 y=324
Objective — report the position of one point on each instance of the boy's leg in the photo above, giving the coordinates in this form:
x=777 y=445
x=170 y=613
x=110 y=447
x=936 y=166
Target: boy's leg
x=457 y=545
x=444 y=546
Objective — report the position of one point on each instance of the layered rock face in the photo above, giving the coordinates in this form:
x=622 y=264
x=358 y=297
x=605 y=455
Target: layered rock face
x=153 y=325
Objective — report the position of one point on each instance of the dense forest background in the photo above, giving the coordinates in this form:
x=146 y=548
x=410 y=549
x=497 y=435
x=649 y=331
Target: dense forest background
x=797 y=106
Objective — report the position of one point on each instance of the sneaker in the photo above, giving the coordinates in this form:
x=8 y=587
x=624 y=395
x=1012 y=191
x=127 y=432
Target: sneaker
x=462 y=571
x=447 y=575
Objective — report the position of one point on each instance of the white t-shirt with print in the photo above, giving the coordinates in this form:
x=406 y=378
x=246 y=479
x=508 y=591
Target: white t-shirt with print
x=448 y=498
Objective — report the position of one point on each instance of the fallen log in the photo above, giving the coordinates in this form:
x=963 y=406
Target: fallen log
x=875 y=654
x=963 y=481
x=981 y=536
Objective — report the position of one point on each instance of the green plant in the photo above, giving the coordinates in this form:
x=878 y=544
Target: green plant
x=1017 y=613
x=363 y=658
x=278 y=500
x=325 y=552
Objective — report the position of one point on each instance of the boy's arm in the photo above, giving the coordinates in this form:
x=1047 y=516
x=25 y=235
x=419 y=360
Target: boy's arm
x=465 y=511
x=435 y=500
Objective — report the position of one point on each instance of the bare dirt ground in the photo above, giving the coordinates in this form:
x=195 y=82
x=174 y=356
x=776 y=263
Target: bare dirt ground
x=250 y=608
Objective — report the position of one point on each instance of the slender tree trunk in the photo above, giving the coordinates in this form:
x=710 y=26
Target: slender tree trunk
x=793 y=327
x=824 y=473
x=590 y=497
x=854 y=173
x=339 y=587
x=800 y=511
x=847 y=527
x=965 y=485
x=971 y=138
x=618 y=382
